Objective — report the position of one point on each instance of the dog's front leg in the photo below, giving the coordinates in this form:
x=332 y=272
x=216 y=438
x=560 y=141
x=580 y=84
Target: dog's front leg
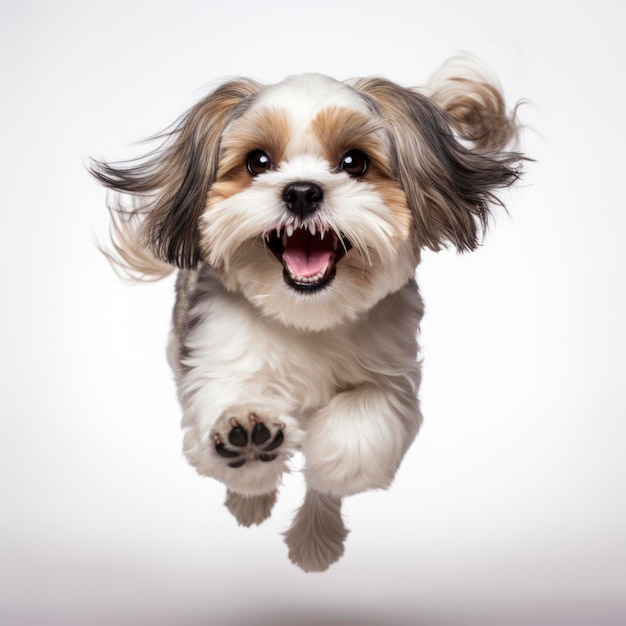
x=354 y=443
x=247 y=447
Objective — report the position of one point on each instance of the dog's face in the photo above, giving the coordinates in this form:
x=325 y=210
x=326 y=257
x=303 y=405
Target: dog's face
x=305 y=216
x=313 y=197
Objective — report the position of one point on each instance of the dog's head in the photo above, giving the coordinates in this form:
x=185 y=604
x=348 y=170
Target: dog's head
x=313 y=197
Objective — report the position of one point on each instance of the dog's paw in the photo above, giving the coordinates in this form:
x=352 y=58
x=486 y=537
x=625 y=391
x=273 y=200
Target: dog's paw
x=243 y=436
x=248 y=448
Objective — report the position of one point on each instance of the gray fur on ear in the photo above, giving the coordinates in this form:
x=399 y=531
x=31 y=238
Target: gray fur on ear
x=449 y=154
x=169 y=185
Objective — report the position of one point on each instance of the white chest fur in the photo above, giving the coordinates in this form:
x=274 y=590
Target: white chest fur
x=236 y=355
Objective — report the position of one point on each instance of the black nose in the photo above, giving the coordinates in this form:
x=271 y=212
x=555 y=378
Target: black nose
x=302 y=197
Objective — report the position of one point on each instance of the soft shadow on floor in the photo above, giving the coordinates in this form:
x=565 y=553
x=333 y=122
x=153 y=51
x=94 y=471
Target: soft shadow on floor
x=512 y=616
x=294 y=616
x=269 y=617
x=328 y=617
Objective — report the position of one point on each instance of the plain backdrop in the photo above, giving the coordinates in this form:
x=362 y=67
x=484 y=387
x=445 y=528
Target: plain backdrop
x=509 y=509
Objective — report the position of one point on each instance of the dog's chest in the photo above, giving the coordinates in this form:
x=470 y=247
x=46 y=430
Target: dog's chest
x=232 y=351
x=233 y=348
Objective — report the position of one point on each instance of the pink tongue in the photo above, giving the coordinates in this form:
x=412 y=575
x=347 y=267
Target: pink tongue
x=305 y=254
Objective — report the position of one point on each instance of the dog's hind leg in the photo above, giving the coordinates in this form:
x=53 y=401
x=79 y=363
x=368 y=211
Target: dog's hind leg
x=317 y=533
x=249 y=510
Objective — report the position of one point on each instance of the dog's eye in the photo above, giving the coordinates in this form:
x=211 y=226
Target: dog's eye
x=258 y=162
x=354 y=163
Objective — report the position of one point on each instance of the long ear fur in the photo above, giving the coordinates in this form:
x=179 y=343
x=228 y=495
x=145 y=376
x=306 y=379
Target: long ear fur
x=470 y=93
x=169 y=186
x=449 y=186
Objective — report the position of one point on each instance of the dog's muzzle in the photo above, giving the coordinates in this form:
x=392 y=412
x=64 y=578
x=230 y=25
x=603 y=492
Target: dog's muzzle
x=309 y=255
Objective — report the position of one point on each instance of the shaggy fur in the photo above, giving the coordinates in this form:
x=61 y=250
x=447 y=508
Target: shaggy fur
x=295 y=214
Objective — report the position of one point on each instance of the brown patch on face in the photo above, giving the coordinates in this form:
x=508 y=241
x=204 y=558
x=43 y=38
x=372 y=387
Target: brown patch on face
x=222 y=190
x=341 y=130
x=396 y=200
x=266 y=130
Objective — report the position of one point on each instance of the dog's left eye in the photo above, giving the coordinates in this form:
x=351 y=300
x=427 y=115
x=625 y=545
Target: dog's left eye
x=258 y=162
x=354 y=163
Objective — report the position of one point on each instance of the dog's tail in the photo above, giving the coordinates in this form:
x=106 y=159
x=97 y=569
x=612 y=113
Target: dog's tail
x=471 y=95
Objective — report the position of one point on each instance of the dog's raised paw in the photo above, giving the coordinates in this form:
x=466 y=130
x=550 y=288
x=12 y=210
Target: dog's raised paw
x=247 y=437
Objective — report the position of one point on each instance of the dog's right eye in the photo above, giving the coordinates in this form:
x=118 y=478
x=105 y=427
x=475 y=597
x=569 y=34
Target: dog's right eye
x=354 y=163
x=258 y=162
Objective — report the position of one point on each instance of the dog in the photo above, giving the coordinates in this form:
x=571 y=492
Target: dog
x=295 y=214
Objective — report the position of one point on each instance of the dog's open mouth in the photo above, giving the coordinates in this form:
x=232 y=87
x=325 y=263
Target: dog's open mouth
x=309 y=256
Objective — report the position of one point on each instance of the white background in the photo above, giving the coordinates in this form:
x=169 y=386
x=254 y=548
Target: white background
x=509 y=509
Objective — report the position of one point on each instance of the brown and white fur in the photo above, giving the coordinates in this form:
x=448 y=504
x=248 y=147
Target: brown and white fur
x=295 y=214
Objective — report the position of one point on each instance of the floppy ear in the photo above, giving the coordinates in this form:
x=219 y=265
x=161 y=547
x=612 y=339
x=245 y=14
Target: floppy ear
x=450 y=186
x=169 y=186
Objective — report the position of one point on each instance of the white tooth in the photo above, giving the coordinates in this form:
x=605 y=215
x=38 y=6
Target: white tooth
x=312 y=228
x=322 y=233
x=289 y=230
x=278 y=231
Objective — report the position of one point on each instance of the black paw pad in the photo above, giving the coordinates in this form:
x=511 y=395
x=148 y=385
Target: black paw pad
x=222 y=450
x=260 y=433
x=258 y=442
x=238 y=436
x=237 y=463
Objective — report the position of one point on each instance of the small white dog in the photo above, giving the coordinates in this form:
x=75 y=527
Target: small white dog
x=296 y=214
